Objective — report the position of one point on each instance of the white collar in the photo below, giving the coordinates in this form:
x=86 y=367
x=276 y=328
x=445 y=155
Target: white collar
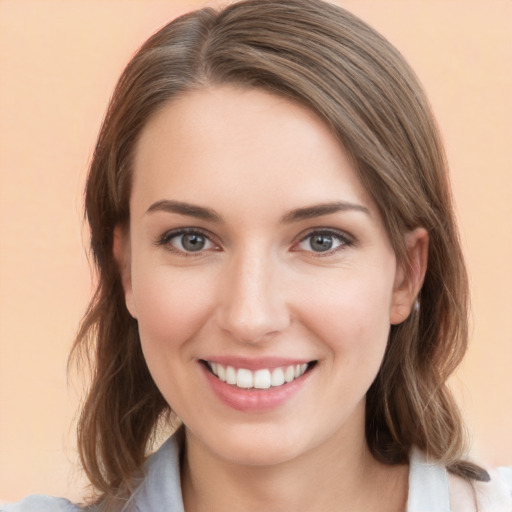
x=429 y=489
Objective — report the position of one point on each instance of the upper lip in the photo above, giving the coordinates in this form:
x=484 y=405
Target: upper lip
x=256 y=363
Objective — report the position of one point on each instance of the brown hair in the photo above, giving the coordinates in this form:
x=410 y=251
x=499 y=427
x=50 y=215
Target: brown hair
x=327 y=59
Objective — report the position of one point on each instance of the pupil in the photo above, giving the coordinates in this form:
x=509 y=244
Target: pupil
x=321 y=243
x=193 y=242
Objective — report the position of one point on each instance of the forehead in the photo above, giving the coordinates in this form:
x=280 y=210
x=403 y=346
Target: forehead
x=224 y=142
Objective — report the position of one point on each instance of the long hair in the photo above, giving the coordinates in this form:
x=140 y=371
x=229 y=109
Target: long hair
x=323 y=57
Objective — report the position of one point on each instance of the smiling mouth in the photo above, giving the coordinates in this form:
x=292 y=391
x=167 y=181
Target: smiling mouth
x=264 y=378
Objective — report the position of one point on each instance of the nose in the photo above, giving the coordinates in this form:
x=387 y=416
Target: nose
x=252 y=307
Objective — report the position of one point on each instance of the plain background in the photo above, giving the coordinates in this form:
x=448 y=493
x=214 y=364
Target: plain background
x=59 y=61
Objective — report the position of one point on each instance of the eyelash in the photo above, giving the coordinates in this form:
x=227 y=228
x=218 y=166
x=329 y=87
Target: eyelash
x=165 y=241
x=344 y=239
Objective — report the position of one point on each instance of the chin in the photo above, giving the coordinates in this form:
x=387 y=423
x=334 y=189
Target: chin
x=259 y=453
x=256 y=445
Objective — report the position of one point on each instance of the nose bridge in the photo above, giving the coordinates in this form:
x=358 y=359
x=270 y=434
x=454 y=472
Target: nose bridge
x=252 y=306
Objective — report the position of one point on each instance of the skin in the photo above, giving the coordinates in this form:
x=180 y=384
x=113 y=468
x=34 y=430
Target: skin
x=258 y=288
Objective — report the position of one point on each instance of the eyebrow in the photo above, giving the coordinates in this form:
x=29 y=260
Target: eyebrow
x=308 y=212
x=319 y=210
x=169 y=206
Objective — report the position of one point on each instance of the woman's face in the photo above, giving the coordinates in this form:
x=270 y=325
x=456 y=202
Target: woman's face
x=260 y=273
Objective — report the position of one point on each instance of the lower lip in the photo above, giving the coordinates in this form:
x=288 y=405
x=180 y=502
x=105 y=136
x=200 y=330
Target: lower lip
x=254 y=400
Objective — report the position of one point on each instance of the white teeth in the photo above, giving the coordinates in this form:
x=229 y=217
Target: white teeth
x=244 y=378
x=262 y=379
x=277 y=377
x=289 y=373
x=221 y=372
x=230 y=375
x=259 y=379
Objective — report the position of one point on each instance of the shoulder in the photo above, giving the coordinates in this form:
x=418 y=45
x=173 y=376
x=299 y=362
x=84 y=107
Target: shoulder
x=40 y=503
x=492 y=496
x=160 y=489
x=431 y=487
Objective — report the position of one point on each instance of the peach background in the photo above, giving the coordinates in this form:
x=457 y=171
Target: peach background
x=59 y=62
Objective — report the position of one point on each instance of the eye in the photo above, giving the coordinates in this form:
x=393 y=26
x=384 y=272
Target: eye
x=324 y=241
x=187 y=242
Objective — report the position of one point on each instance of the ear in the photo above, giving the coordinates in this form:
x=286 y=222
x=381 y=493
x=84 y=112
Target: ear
x=409 y=277
x=122 y=255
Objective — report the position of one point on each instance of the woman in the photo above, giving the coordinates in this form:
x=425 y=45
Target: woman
x=280 y=273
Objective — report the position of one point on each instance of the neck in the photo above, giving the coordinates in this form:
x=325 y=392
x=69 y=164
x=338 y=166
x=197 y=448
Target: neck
x=337 y=475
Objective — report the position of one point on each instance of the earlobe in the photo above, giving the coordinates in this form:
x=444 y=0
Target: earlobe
x=408 y=281
x=122 y=255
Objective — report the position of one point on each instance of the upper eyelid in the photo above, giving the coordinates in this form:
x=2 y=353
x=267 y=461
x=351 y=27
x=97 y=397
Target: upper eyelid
x=171 y=233
x=164 y=241
x=331 y=231
x=345 y=238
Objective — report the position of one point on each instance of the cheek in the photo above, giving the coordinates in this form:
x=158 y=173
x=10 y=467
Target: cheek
x=171 y=306
x=351 y=317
